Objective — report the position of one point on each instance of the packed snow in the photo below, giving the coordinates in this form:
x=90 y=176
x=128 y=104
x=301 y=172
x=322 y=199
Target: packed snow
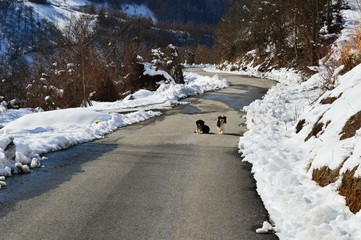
x=283 y=160
x=26 y=134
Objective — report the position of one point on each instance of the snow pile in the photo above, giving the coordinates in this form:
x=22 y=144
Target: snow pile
x=266 y=228
x=152 y=70
x=167 y=95
x=283 y=160
x=38 y=133
x=283 y=74
x=26 y=134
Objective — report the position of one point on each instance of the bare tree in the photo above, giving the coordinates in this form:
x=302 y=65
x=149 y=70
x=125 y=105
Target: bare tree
x=288 y=29
x=78 y=39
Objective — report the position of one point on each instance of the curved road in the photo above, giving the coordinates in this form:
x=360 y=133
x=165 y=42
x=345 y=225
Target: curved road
x=153 y=180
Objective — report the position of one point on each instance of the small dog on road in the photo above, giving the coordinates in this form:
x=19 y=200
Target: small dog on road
x=201 y=127
x=221 y=122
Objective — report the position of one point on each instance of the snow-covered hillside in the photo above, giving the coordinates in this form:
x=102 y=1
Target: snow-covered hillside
x=60 y=12
x=141 y=11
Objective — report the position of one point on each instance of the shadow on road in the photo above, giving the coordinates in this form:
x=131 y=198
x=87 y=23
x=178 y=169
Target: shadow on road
x=58 y=168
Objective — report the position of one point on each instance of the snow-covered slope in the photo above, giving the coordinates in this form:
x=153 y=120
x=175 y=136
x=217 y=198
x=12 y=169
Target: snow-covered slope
x=135 y=10
x=60 y=12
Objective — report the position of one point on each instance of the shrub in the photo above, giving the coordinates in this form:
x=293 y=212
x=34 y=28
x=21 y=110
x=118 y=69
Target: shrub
x=351 y=52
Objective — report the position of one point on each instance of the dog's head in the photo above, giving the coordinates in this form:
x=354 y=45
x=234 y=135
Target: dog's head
x=222 y=119
x=200 y=123
x=201 y=127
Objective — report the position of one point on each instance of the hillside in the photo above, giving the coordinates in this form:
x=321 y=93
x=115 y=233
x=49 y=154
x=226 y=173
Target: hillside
x=185 y=11
x=40 y=40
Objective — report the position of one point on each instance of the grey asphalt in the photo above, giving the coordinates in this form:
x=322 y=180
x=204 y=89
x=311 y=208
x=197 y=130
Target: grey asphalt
x=153 y=180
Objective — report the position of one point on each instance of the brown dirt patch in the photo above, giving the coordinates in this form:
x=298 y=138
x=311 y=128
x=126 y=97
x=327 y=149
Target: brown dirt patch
x=351 y=126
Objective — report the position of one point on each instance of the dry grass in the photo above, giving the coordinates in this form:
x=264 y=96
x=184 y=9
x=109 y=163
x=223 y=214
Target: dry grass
x=328 y=123
x=315 y=130
x=325 y=175
x=351 y=190
x=351 y=52
x=300 y=125
x=328 y=100
x=351 y=126
x=350 y=187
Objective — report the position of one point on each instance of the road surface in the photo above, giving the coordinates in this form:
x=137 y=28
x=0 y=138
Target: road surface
x=153 y=180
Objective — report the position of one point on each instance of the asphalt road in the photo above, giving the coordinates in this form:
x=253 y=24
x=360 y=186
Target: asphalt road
x=153 y=180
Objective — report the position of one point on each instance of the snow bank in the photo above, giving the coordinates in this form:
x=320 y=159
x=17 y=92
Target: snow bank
x=283 y=161
x=283 y=74
x=167 y=95
x=38 y=133
x=299 y=207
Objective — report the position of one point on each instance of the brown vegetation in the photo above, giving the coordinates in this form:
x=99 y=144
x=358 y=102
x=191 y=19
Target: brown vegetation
x=351 y=52
x=315 y=130
x=328 y=100
x=284 y=34
x=351 y=126
x=351 y=189
x=324 y=176
x=300 y=125
x=89 y=60
x=328 y=123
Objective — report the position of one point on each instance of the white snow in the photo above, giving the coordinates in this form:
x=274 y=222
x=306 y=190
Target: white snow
x=151 y=70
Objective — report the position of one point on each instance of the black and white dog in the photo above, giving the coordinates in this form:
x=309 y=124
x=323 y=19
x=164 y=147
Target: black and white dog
x=201 y=127
x=221 y=122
